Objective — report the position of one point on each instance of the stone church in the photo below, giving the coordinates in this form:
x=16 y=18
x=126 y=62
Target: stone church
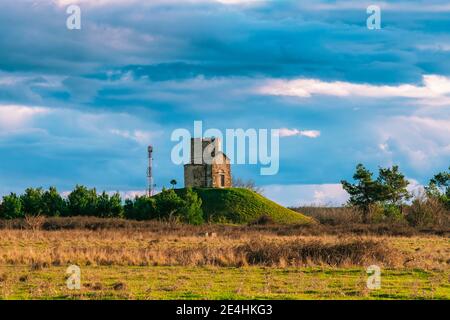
x=209 y=167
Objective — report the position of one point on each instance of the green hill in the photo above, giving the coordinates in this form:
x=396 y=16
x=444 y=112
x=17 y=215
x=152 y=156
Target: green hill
x=237 y=205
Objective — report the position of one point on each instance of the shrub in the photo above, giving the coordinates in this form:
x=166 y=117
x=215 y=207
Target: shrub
x=249 y=185
x=32 y=202
x=385 y=213
x=427 y=212
x=300 y=252
x=263 y=220
x=191 y=212
x=128 y=209
x=53 y=204
x=34 y=222
x=332 y=215
x=392 y=213
x=376 y=213
x=142 y=208
x=11 y=207
x=115 y=206
x=110 y=207
x=168 y=204
x=82 y=202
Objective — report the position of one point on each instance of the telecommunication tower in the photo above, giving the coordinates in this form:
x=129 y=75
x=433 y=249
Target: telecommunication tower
x=150 y=187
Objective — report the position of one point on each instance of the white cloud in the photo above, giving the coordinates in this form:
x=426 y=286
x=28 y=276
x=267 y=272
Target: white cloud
x=435 y=47
x=14 y=117
x=306 y=194
x=384 y=147
x=131 y=194
x=140 y=136
x=331 y=194
x=403 y=6
x=415 y=187
x=244 y=2
x=424 y=141
x=7 y=80
x=434 y=91
x=63 y=3
x=285 y=132
x=76 y=126
x=93 y=2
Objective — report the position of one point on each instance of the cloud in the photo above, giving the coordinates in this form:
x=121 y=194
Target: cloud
x=415 y=187
x=284 y=132
x=402 y=6
x=423 y=141
x=16 y=116
x=63 y=147
x=306 y=194
x=141 y=137
x=129 y=77
x=241 y=2
x=94 y=2
x=328 y=194
x=435 y=88
x=152 y=2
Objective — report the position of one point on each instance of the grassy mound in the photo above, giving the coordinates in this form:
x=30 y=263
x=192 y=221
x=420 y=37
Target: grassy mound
x=237 y=205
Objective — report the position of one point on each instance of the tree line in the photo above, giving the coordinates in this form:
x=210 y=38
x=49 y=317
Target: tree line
x=385 y=197
x=184 y=207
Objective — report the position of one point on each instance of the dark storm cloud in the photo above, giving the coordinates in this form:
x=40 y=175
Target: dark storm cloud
x=137 y=70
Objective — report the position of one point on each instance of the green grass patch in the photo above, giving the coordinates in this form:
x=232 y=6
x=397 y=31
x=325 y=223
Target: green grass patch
x=221 y=283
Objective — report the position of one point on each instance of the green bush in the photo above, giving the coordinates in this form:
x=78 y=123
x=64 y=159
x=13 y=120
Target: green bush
x=191 y=212
x=185 y=207
x=384 y=212
x=32 y=202
x=376 y=213
x=11 y=207
x=142 y=208
x=392 y=213
x=53 y=204
x=109 y=207
x=82 y=202
x=168 y=204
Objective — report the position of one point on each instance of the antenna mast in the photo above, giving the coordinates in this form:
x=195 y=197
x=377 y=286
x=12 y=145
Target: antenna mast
x=150 y=172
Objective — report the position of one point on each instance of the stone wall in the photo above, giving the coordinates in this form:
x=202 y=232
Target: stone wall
x=207 y=175
x=220 y=168
x=194 y=175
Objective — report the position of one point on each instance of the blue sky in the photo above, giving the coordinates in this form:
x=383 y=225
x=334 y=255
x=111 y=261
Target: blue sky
x=80 y=106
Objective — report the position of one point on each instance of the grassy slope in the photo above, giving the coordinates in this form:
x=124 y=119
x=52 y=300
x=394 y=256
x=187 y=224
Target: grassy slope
x=239 y=205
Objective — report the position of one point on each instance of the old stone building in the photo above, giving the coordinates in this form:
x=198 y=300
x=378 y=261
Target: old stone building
x=209 y=167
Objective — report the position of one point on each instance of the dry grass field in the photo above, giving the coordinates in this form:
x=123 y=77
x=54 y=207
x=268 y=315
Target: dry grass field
x=155 y=260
